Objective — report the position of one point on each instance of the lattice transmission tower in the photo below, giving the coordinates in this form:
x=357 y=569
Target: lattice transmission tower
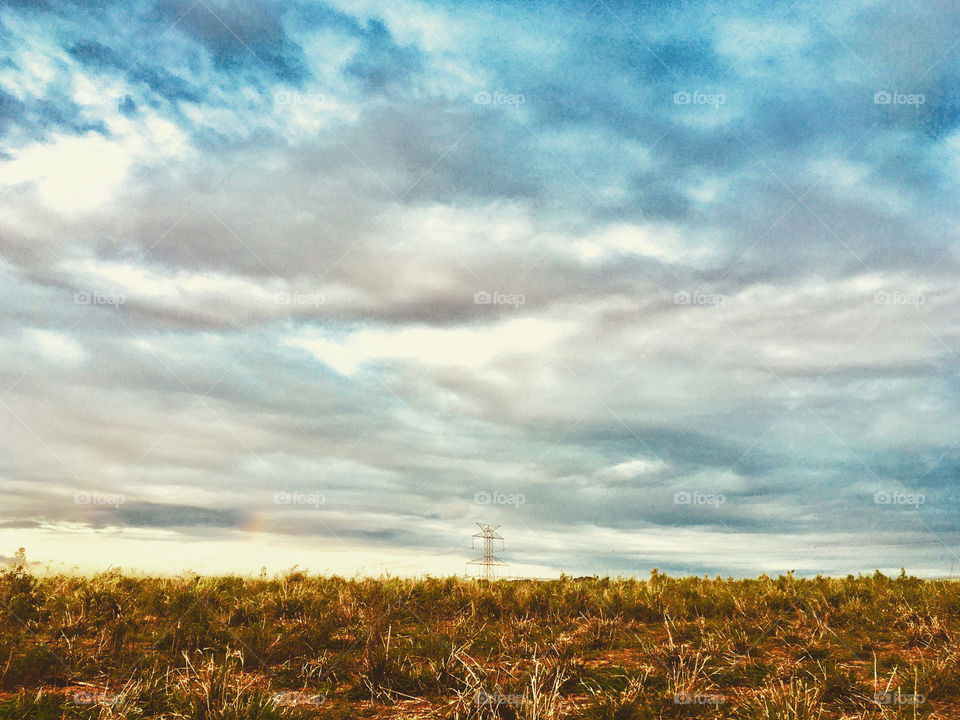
x=489 y=561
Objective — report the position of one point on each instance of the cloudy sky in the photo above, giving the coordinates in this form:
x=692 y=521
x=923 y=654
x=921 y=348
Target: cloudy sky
x=648 y=284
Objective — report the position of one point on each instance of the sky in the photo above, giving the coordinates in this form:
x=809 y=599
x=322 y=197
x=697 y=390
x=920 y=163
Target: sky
x=665 y=284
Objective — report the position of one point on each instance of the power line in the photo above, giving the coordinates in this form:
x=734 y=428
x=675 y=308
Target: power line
x=489 y=561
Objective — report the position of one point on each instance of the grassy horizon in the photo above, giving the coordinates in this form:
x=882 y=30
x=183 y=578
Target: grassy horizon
x=295 y=645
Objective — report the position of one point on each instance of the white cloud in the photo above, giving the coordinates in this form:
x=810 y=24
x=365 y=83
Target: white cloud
x=662 y=241
x=182 y=288
x=72 y=173
x=632 y=469
x=468 y=348
x=753 y=40
x=56 y=346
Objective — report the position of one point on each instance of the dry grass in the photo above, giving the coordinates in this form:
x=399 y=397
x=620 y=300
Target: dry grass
x=225 y=648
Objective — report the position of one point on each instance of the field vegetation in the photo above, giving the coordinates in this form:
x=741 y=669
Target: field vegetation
x=299 y=646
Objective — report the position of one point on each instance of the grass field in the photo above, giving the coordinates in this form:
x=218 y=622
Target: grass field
x=297 y=646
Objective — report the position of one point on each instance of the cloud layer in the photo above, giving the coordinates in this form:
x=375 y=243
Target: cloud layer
x=647 y=286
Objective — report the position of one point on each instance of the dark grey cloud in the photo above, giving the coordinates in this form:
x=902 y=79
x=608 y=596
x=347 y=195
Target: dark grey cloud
x=145 y=514
x=40 y=117
x=163 y=83
x=239 y=35
x=381 y=65
x=11 y=110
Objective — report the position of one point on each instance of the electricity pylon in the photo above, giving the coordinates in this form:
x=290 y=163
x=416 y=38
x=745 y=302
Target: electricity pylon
x=489 y=561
